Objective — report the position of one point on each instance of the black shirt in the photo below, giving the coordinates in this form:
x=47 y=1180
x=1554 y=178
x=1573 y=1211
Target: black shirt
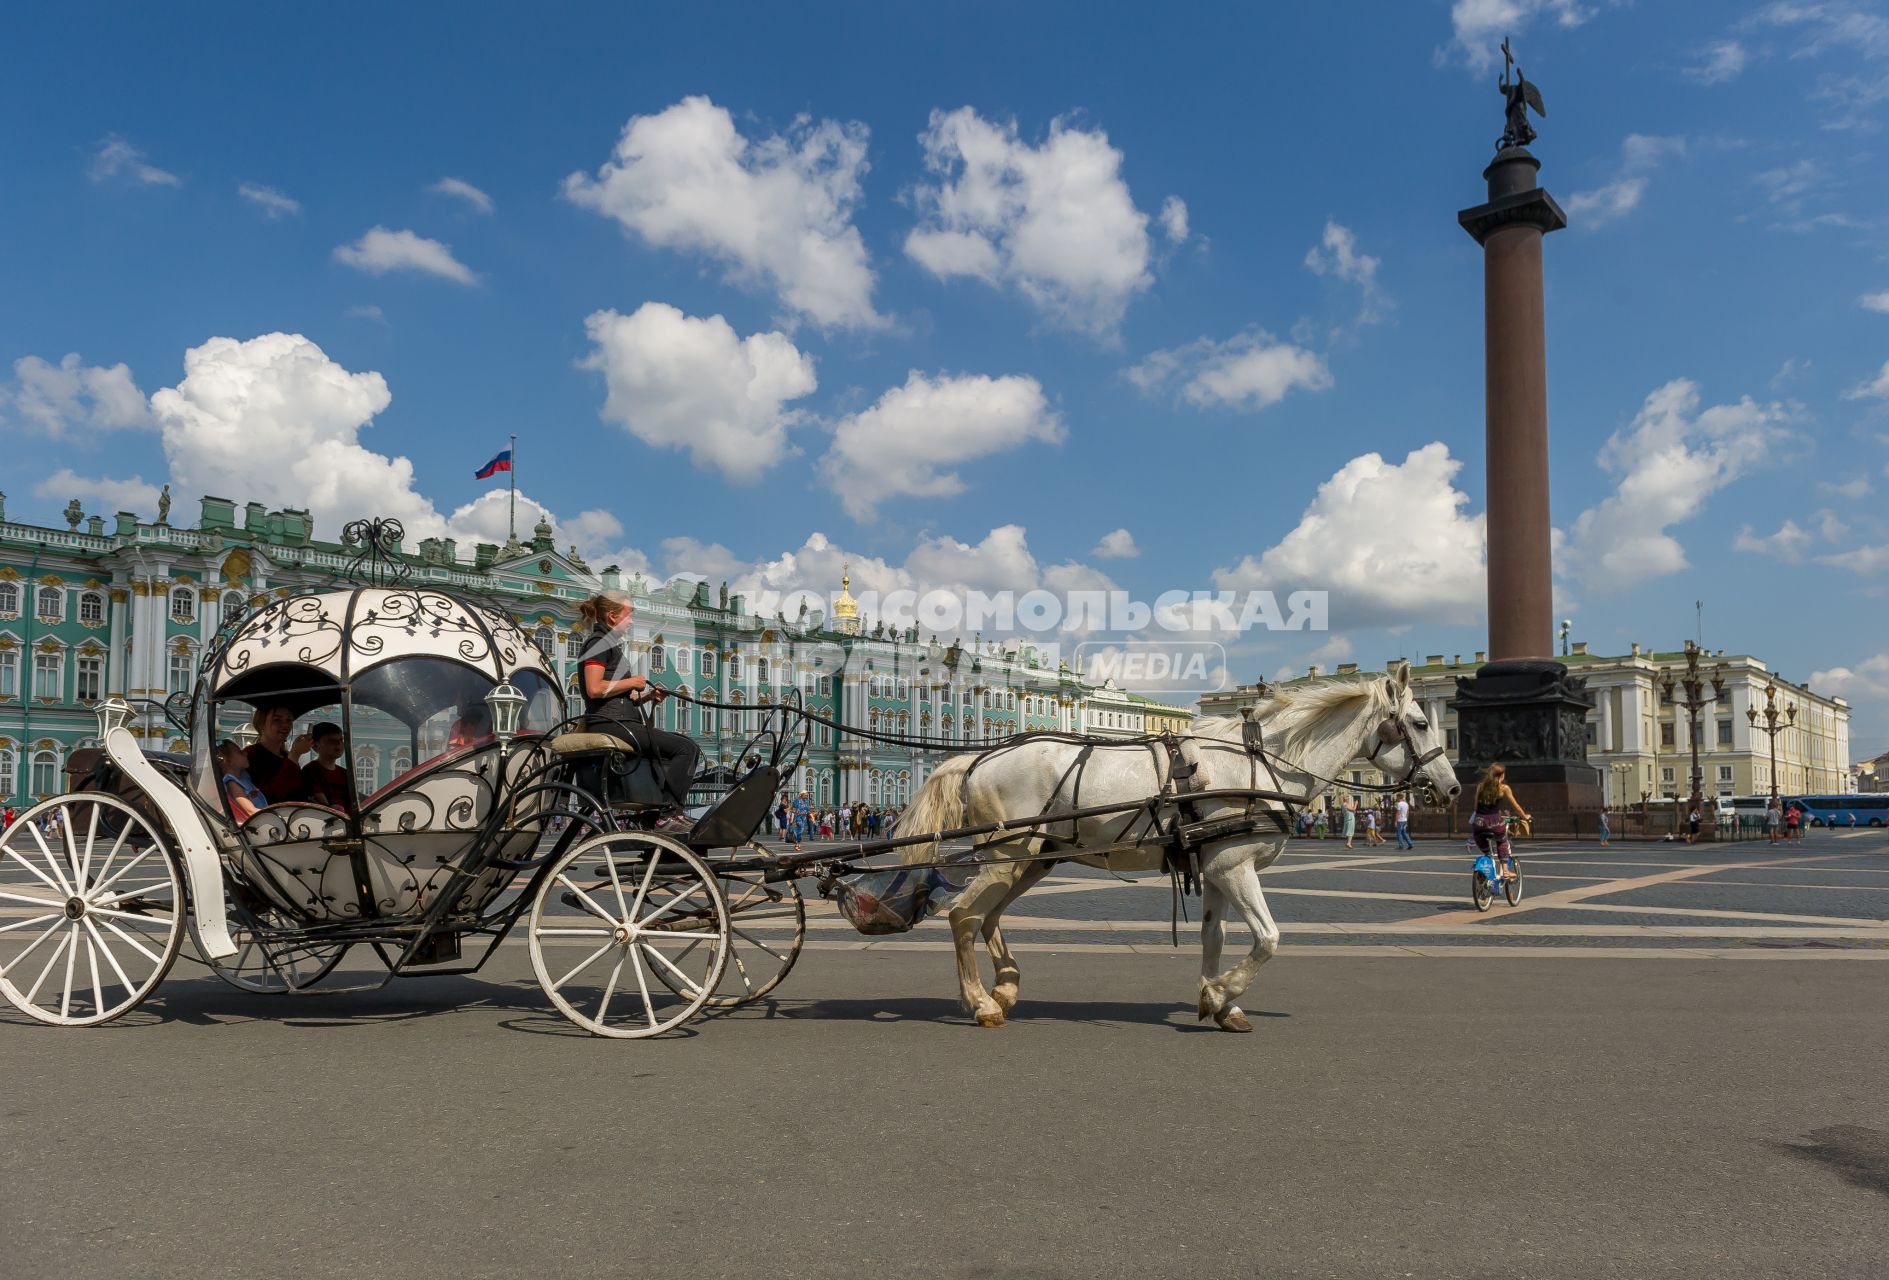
x=609 y=649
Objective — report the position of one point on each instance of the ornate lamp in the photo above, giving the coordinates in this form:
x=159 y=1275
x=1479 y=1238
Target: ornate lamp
x=507 y=706
x=244 y=735
x=113 y=713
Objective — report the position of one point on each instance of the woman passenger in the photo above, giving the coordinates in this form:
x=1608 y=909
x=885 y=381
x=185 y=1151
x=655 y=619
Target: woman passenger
x=616 y=697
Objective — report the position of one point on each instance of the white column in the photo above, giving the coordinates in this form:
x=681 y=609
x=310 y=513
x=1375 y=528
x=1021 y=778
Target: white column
x=115 y=672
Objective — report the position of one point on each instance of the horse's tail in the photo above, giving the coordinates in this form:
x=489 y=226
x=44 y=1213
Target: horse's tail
x=938 y=806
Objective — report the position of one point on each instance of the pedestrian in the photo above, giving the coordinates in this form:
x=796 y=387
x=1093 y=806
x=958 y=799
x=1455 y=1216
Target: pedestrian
x=801 y=819
x=1371 y=837
x=1692 y=826
x=1350 y=806
x=1403 y=823
x=1793 y=823
x=1773 y=820
x=1605 y=834
x=1320 y=822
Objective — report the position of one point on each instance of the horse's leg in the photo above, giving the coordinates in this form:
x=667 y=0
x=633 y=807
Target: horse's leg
x=976 y=904
x=1023 y=877
x=1213 y=936
x=1239 y=879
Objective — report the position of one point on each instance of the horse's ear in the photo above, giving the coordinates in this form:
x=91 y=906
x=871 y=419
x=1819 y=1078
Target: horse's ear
x=1400 y=678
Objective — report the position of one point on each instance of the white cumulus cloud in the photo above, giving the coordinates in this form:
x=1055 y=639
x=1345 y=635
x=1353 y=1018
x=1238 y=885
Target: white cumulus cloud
x=776 y=209
x=460 y=189
x=1174 y=219
x=1479 y=26
x=71 y=395
x=1391 y=542
x=1252 y=371
x=1337 y=255
x=906 y=441
x=1878 y=301
x=1640 y=154
x=1787 y=544
x=114 y=157
x=1055 y=220
x=675 y=381
x=1119 y=544
x=101 y=495
x=380 y=251
x=1720 y=61
x=272 y=202
x=1874 y=388
x=1669 y=460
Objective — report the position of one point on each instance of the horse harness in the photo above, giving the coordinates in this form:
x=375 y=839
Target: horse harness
x=1392 y=732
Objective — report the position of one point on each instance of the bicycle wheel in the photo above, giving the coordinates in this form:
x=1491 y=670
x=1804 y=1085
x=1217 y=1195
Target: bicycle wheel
x=1481 y=890
x=1512 y=887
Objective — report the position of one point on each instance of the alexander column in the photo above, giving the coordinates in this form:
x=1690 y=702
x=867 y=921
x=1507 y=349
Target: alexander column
x=1522 y=708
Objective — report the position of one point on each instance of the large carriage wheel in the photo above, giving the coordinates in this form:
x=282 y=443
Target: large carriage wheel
x=91 y=912
x=629 y=934
x=274 y=969
x=767 y=925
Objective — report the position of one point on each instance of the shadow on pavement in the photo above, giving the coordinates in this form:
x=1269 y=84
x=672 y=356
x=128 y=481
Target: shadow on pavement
x=1858 y=1155
x=945 y=1010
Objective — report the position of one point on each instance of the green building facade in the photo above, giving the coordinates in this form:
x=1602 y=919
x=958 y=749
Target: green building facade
x=127 y=607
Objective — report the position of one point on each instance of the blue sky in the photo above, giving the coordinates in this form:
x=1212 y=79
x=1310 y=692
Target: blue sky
x=961 y=291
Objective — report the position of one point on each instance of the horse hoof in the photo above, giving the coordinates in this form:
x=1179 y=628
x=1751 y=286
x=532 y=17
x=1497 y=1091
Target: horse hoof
x=1204 y=1009
x=1006 y=998
x=994 y=1018
x=1233 y=1020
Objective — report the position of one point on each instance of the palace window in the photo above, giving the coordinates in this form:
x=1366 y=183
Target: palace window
x=658 y=657
x=734 y=665
x=182 y=667
x=1666 y=776
x=48 y=675
x=45 y=779
x=92 y=608
x=9 y=598
x=682 y=662
x=1724 y=773
x=8 y=779
x=1725 y=733
x=9 y=677
x=1666 y=736
x=231 y=606
x=366 y=770
x=183 y=605
x=546 y=642
x=91 y=677
x=1592 y=733
x=50 y=603
x=826 y=686
x=708 y=664
x=760 y=670
x=1449 y=739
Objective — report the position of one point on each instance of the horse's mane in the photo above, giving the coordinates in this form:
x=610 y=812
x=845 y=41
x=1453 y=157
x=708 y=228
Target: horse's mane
x=1304 y=713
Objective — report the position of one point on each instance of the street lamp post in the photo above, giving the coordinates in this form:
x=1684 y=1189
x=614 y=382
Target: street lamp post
x=1771 y=722
x=1693 y=683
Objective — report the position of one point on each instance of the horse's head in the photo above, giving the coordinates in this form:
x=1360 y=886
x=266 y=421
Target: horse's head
x=1406 y=745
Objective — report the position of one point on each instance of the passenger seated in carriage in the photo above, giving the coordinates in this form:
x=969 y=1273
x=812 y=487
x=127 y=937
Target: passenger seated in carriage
x=326 y=781
x=472 y=729
x=242 y=795
x=616 y=698
x=272 y=759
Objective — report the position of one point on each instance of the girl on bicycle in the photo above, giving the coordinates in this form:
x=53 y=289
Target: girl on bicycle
x=1489 y=825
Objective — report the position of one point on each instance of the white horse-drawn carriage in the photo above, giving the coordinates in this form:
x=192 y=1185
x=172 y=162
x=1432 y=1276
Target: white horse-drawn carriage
x=508 y=812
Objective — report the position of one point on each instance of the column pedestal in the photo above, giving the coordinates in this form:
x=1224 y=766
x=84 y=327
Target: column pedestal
x=1529 y=715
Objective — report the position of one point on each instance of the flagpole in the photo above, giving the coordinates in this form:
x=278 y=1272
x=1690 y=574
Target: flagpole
x=512 y=472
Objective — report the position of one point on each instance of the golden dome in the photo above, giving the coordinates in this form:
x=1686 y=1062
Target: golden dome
x=846 y=606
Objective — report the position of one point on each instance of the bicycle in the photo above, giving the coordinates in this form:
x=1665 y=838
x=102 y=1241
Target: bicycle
x=1486 y=874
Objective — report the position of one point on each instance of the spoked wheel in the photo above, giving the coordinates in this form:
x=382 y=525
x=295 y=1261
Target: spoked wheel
x=91 y=911
x=271 y=970
x=767 y=926
x=1512 y=888
x=629 y=934
x=1481 y=890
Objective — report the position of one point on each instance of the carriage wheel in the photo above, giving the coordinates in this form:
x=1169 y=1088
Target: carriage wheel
x=767 y=926
x=91 y=913
x=629 y=934
x=254 y=969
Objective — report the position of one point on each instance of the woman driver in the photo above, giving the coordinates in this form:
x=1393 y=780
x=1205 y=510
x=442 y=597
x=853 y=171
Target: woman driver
x=615 y=697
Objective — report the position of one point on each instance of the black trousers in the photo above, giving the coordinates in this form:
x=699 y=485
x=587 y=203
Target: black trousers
x=673 y=756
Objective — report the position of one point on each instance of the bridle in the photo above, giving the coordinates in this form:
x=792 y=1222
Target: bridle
x=1393 y=732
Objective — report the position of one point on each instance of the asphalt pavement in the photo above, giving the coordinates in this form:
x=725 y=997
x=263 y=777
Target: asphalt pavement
x=1422 y=1106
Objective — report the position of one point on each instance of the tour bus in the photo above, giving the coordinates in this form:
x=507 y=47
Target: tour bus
x=1861 y=809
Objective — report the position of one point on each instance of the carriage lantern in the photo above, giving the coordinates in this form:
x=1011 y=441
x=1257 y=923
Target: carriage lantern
x=113 y=713
x=244 y=735
x=507 y=705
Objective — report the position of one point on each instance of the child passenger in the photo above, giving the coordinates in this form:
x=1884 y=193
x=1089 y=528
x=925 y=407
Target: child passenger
x=325 y=781
x=244 y=796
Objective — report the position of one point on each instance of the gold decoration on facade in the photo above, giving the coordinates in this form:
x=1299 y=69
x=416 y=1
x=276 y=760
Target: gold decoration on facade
x=48 y=645
x=93 y=584
x=140 y=587
x=120 y=595
x=8 y=573
x=236 y=566
x=52 y=580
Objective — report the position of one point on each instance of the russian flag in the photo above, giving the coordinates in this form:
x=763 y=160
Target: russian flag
x=503 y=462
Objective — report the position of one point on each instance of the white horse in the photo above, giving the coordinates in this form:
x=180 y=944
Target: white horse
x=1310 y=733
